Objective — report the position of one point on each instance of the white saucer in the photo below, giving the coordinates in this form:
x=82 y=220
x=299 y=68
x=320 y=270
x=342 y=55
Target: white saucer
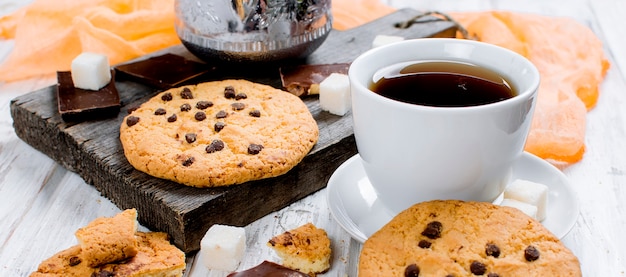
x=355 y=207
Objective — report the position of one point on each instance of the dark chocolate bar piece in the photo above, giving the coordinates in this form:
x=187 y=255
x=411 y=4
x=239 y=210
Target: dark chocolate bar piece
x=267 y=268
x=77 y=104
x=301 y=79
x=162 y=72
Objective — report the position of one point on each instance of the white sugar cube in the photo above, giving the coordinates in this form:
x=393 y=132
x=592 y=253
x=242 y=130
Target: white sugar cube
x=335 y=94
x=91 y=71
x=222 y=247
x=531 y=193
x=380 y=40
x=526 y=208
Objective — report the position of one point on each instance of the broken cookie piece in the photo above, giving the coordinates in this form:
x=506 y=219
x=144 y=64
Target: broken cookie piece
x=306 y=249
x=113 y=247
x=155 y=257
x=106 y=240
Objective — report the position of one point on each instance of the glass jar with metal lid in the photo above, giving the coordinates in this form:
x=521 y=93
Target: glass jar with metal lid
x=252 y=30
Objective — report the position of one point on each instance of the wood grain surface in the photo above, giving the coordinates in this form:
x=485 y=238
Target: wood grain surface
x=93 y=150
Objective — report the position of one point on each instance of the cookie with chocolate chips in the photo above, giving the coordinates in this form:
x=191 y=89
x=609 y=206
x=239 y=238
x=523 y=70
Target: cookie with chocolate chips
x=457 y=238
x=218 y=133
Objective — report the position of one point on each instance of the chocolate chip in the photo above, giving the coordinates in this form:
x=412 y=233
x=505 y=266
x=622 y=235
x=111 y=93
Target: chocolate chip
x=200 y=116
x=185 y=107
x=491 y=274
x=132 y=120
x=218 y=126
x=492 y=250
x=160 y=111
x=167 y=97
x=254 y=149
x=216 y=145
x=255 y=113
x=412 y=271
x=531 y=253
x=189 y=161
x=204 y=104
x=229 y=92
x=433 y=230
x=272 y=242
x=478 y=268
x=240 y=96
x=238 y=106
x=190 y=137
x=131 y=110
x=186 y=94
x=172 y=118
x=103 y=273
x=221 y=114
x=424 y=244
x=74 y=261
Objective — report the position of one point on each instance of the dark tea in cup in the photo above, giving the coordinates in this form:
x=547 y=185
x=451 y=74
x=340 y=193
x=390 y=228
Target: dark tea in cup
x=441 y=84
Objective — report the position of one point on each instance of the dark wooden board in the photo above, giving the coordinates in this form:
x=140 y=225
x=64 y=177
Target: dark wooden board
x=93 y=150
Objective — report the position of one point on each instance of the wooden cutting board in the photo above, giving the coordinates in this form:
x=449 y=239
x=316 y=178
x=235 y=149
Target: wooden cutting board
x=92 y=149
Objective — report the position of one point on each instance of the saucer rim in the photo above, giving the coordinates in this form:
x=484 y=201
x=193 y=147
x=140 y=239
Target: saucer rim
x=338 y=211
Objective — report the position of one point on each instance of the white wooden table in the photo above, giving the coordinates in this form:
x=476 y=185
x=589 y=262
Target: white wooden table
x=42 y=204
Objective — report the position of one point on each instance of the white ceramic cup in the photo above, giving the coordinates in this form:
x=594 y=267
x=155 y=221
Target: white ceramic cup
x=413 y=153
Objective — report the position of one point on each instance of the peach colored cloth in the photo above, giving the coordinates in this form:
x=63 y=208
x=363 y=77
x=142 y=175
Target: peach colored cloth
x=348 y=14
x=49 y=34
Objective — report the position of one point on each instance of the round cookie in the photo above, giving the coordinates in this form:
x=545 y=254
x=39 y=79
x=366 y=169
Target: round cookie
x=218 y=133
x=456 y=238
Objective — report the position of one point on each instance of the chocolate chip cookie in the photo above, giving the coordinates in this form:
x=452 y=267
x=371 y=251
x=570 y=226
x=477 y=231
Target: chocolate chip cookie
x=218 y=133
x=456 y=238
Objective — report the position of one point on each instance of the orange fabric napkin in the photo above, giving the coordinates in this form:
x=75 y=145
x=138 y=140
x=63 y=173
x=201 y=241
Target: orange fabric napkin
x=49 y=34
x=352 y=13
